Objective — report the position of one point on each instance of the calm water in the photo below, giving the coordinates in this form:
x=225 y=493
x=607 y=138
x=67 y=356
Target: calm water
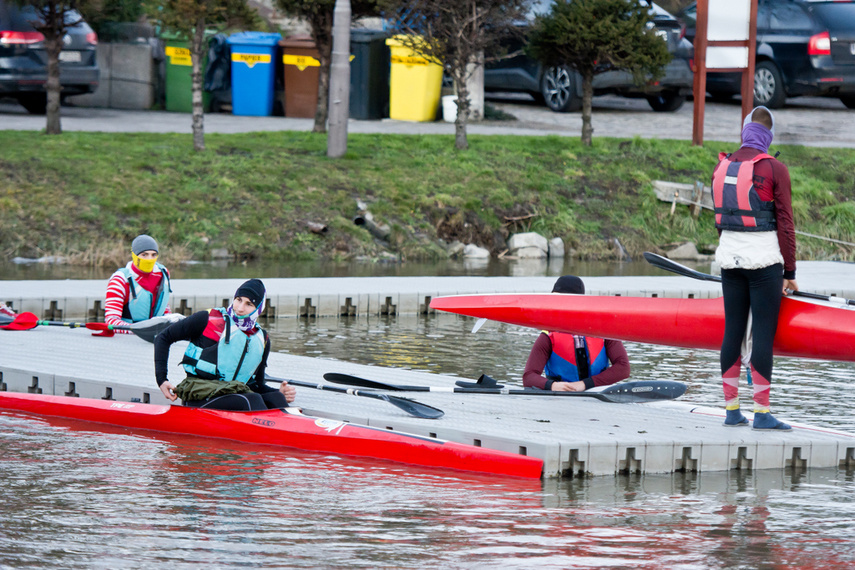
x=73 y=497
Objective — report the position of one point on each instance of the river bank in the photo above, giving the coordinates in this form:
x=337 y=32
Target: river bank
x=84 y=196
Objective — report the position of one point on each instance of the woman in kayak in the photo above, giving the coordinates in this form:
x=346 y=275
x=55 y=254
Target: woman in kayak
x=226 y=357
x=757 y=256
x=140 y=290
x=564 y=362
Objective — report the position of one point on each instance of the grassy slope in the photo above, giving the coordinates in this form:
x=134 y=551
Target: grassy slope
x=90 y=193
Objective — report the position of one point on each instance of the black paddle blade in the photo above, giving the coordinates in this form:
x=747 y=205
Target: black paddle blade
x=149 y=329
x=642 y=391
x=674 y=267
x=484 y=381
x=412 y=407
x=349 y=380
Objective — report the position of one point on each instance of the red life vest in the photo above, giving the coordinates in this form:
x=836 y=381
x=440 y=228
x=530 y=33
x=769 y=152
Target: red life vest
x=738 y=206
x=562 y=362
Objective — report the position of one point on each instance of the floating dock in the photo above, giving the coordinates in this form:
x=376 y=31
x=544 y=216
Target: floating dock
x=574 y=437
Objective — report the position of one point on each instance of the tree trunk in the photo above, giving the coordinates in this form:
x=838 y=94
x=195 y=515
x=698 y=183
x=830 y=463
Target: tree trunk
x=587 y=100
x=460 y=140
x=322 y=34
x=196 y=55
x=53 y=45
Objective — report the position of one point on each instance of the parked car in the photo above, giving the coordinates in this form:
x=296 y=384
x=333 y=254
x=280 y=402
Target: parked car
x=23 y=59
x=560 y=87
x=804 y=47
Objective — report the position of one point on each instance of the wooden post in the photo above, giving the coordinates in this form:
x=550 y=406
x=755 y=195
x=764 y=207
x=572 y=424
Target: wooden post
x=748 y=74
x=699 y=86
x=697 y=198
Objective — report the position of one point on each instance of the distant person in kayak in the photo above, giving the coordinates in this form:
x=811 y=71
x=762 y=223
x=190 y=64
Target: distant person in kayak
x=564 y=362
x=757 y=255
x=140 y=290
x=226 y=358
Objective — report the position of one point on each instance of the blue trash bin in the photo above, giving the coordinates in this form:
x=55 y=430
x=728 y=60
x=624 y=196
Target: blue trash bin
x=253 y=72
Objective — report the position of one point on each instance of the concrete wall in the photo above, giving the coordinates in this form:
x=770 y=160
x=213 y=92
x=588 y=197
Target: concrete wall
x=129 y=78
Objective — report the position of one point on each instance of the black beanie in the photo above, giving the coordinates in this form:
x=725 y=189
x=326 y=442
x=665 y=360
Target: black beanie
x=252 y=290
x=569 y=284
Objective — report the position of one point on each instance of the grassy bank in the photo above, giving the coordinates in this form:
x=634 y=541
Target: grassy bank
x=88 y=194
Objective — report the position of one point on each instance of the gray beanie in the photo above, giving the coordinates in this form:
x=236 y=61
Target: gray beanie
x=143 y=243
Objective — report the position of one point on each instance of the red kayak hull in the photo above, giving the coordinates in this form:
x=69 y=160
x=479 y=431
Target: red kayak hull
x=805 y=329
x=282 y=428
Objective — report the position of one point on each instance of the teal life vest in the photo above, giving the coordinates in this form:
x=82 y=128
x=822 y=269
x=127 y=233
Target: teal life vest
x=565 y=363
x=235 y=357
x=142 y=304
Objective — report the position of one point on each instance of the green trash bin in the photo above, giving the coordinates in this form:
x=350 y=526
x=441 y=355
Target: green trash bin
x=179 y=70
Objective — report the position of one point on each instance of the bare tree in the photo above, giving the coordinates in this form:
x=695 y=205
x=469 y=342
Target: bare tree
x=192 y=18
x=319 y=15
x=53 y=19
x=455 y=34
x=594 y=36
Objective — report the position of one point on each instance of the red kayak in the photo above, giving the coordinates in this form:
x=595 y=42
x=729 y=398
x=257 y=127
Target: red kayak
x=288 y=428
x=810 y=329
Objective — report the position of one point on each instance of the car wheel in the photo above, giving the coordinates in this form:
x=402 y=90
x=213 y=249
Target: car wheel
x=558 y=87
x=768 y=86
x=848 y=100
x=666 y=102
x=34 y=103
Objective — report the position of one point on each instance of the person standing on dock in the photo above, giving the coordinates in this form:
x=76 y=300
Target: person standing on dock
x=140 y=290
x=226 y=358
x=757 y=255
x=564 y=362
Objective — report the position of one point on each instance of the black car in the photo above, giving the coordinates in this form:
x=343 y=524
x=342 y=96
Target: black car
x=804 y=47
x=23 y=59
x=561 y=87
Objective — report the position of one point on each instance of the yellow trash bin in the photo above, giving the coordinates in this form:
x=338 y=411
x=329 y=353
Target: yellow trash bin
x=415 y=84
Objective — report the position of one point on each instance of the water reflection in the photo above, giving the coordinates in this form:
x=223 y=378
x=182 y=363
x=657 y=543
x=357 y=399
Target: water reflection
x=76 y=498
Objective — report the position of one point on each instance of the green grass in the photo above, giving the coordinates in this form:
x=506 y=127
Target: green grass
x=80 y=193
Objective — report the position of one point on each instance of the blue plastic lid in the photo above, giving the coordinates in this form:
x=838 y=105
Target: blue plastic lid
x=254 y=38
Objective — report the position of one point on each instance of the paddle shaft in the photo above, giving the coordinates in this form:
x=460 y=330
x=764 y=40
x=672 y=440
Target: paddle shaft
x=146 y=330
x=674 y=267
x=412 y=407
x=625 y=392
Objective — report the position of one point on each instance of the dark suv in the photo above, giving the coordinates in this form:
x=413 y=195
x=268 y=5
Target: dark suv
x=23 y=59
x=561 y=87
x=804 y=47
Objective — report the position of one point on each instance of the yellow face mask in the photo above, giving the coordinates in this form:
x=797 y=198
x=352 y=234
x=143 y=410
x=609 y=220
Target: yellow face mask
x=144 y=265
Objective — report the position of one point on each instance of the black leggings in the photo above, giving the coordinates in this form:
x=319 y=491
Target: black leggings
x=758 y=291
x=248 y=402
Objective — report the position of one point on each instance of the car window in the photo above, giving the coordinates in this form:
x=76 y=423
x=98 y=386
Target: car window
x=836 y=16
x=788 y=17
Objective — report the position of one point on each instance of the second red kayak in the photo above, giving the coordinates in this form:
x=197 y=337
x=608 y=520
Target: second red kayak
x=288 y=428
x=810 y=329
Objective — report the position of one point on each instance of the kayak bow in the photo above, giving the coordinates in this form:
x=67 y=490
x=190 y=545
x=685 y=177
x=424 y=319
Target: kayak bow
x=806 y=328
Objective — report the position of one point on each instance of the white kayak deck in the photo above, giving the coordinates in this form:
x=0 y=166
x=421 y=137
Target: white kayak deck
x=574 y=436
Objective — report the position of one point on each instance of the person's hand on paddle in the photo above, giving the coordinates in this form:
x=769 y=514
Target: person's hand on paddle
x=288 y=391
x=169 y=391
x=568 y=386
x=790 y=285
